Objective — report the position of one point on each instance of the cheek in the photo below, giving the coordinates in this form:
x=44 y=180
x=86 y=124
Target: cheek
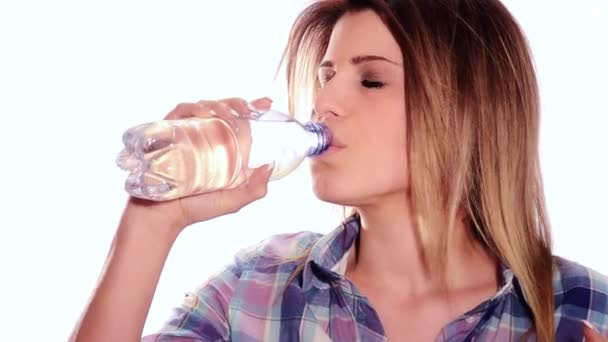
x=383 y=153
x=374 y=163
x=377 y=161
x=361 y=176
x=384 y=164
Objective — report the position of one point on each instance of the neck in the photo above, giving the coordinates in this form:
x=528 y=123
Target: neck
x=390 y=252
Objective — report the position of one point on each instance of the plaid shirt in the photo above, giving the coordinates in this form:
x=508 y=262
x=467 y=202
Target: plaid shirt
x=251 y=300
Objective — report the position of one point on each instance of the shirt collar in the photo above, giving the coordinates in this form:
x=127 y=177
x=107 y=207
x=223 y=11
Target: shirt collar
x=328 y=258
x=320 y=268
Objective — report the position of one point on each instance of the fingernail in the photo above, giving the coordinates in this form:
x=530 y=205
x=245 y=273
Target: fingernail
x=251 y=106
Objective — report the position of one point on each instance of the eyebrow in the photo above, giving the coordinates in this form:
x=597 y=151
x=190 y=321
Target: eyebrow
x=359 y=60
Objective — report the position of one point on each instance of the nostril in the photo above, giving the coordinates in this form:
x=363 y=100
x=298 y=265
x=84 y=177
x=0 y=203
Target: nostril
x=332 y=113
x=316 y=117
x=322 y=117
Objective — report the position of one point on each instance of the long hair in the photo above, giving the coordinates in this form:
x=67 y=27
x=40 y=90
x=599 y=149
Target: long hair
x=472 y=113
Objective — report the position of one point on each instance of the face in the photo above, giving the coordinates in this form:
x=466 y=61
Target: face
x=362 y=101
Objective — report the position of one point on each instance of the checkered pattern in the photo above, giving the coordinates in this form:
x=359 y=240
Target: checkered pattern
x=251 y=300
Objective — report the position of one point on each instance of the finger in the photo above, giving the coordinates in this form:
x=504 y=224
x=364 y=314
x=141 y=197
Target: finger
x=201 y=109
x=207 y=108
x=591 y=334
x=254 y=187
x=197 y=208
x=238 y=104
x=258 y=184
x=215 y=108
x=182 y=110
x=261 y=104
x=260 y=175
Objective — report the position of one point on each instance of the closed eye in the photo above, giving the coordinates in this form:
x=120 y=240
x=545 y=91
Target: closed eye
x=324 y=75
x=372 y=84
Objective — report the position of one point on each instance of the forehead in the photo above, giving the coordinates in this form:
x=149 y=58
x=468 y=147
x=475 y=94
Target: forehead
x=362 y=33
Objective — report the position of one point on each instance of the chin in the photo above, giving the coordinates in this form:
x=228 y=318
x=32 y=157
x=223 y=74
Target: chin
x=332 y=184
x=326 y=195
x=327 y=189
x=336 y=191
x=329 y=186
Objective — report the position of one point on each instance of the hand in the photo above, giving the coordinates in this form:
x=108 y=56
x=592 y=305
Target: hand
x=591 y=334
x=185 y=211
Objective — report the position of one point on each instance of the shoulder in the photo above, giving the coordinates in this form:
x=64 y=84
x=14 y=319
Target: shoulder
x=251 y=279
x=572 y=276
x=276 y=250
x=581 y=292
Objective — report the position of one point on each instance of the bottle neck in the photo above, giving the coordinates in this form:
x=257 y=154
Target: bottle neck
x=321 y=137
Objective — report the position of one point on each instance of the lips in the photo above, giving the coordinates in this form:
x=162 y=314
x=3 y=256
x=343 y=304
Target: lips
x=336 y=143
x=335 y=146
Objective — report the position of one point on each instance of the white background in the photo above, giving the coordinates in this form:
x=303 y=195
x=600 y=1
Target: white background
x=75 y=74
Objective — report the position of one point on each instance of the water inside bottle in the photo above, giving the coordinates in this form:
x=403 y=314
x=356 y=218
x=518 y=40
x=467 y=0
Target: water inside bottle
x=191 y=156
x=175 y=158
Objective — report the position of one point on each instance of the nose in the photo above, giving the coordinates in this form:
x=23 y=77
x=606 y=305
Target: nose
x=328 y=103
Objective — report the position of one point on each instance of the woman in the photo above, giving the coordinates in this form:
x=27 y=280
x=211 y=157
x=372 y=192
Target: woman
x=435 y=112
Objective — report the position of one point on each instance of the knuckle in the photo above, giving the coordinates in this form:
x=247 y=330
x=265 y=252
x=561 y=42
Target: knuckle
x=180 y=110
x=201 y=105
x=203 y=109
x=226 y=111
x=204 y=102
x=236 y=106
x=200 y=108
x=182 y=105
x=222 y=106
x=233 y=101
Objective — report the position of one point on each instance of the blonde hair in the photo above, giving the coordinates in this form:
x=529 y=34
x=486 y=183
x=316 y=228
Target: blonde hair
x=472 y=112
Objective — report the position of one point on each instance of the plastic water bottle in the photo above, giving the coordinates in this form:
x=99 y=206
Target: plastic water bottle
x=169 y=159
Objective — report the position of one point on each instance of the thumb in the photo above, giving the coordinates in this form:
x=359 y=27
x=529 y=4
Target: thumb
x=206 y=206
x=257 y=183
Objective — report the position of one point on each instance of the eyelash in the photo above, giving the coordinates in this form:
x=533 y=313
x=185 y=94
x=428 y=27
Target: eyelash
x=367 y=83
x=372 y=84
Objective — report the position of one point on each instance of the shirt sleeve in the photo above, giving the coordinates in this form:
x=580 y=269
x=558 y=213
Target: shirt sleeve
x=203 y=314
x=599 y=303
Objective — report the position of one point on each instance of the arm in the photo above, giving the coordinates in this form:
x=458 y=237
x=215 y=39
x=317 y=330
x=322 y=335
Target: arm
x=118 y=308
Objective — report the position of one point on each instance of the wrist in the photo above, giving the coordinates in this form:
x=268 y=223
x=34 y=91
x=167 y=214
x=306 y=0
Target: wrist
x=145 y=220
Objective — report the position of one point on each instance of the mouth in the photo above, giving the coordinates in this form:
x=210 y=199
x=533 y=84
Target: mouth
x=336 y=144
x=334 y=147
